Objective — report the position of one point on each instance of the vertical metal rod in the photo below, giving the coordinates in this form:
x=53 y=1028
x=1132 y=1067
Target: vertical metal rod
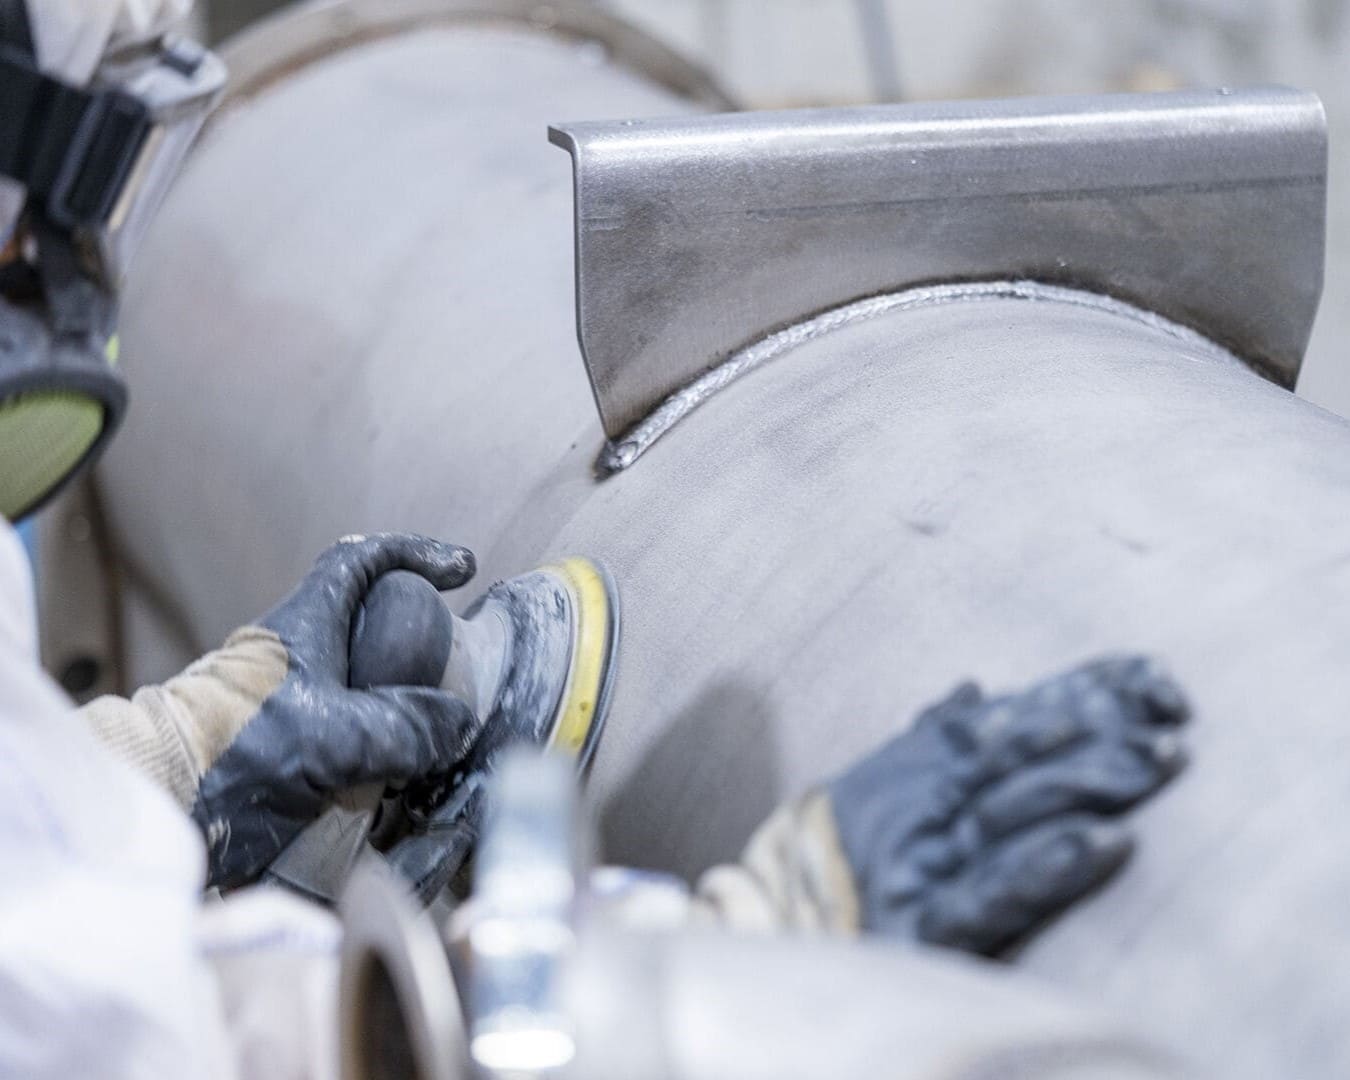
x=879 y=46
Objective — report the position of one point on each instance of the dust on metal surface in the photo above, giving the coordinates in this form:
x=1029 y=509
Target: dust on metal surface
x=699 y=235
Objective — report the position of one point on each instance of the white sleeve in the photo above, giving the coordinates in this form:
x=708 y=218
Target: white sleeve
x=276 y=960
x=100 y=966
x=71 y=36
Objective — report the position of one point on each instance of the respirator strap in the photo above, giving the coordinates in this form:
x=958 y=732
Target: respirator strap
x=72 y=149
x=15 y=30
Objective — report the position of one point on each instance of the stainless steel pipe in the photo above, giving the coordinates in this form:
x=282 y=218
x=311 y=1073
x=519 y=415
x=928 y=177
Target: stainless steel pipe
x=355 y=314
x=717 y=1006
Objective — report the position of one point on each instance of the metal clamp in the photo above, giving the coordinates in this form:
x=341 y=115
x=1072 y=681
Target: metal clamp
x=520 y=925
x=700 y=235
x=399 y=999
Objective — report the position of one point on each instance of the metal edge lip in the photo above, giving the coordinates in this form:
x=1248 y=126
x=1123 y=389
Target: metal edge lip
x=1140 y=132
x=751 y=130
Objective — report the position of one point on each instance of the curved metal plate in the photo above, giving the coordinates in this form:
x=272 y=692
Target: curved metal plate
x=395 y=982
x=300 y=34
x=698 y=235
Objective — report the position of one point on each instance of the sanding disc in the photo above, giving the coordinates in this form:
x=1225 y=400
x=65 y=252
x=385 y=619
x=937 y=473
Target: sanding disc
x=584 y=700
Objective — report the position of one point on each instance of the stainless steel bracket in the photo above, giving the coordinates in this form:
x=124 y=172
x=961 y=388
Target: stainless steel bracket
x=700 y=235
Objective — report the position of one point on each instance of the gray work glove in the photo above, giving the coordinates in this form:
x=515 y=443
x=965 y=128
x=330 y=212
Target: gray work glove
x=255 y=738
x=992 y=814
x=984 y=819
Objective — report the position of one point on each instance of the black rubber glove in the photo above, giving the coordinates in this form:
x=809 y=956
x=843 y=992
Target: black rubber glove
x=313 y=736
x=991 y=815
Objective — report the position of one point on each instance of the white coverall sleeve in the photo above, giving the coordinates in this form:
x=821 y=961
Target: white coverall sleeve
x=99 y=972
x=792 y=876
x=72 y=36
x=109 y=964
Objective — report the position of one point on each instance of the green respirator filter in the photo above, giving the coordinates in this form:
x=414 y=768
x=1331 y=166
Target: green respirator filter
x=44 y=435
x=60 y=401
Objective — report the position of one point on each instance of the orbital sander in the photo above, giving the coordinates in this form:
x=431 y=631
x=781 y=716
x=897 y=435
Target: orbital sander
x=533 y=657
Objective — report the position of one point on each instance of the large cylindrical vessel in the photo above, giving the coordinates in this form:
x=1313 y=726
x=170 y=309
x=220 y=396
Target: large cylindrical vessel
x=355 y=314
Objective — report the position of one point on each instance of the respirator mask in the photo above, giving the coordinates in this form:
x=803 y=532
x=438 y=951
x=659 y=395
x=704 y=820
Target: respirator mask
x=92 y=164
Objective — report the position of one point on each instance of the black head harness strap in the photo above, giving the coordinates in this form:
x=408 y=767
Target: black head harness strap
x=14 y=29
x=71 y=148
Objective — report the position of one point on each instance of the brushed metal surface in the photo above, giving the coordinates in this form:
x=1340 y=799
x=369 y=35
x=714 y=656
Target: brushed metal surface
x=698 y=235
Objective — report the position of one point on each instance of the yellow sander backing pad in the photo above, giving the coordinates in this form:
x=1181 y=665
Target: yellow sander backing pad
x=595 y=634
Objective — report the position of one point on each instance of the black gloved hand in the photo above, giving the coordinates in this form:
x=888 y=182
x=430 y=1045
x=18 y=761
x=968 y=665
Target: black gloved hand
x=990 y=814
x=272 y=765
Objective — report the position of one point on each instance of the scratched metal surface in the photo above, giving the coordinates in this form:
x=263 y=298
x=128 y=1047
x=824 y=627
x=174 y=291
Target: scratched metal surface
x=996 y=490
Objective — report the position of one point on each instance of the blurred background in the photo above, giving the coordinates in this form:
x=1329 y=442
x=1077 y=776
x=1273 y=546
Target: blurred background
x=784 y=53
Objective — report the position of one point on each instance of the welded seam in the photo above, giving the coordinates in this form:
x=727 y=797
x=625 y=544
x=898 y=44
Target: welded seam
x=621 y=453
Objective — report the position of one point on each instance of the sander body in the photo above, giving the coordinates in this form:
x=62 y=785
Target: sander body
x=533 y=657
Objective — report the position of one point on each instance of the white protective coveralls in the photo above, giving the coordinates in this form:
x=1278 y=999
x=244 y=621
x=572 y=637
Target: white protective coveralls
x=110 y=964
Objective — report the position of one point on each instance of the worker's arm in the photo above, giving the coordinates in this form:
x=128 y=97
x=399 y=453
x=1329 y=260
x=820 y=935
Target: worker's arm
x=985 y=818
x=255 y=738
x=100 y=970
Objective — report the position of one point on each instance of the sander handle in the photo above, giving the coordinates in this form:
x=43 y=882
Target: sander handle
x=401 y=636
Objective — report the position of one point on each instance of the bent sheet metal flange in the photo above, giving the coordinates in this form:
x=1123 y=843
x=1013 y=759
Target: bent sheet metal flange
x=699 y=235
